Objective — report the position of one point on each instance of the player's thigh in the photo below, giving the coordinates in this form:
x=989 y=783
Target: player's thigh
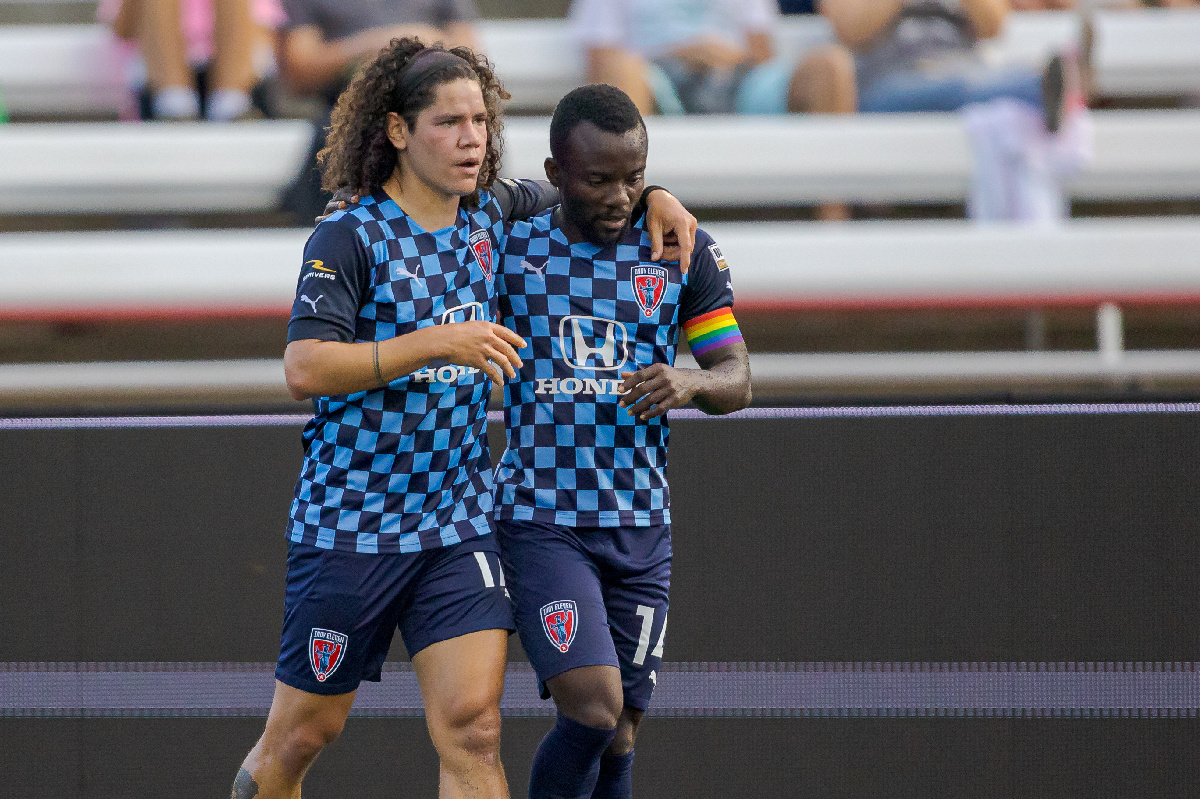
x=557 y=598
x=462 y=681
x=637 y=604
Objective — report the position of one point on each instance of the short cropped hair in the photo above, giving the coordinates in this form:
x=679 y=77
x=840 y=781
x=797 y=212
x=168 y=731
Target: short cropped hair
x=606 y=107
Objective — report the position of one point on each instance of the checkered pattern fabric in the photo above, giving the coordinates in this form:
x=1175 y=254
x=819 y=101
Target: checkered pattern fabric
x=405 y=467
x=574 y=457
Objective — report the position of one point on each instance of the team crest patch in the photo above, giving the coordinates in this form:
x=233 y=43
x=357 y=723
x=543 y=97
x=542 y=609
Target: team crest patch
x=560 y=620
x=649 y=286
x=481 y=245
x=326 y=650
x=715 y=251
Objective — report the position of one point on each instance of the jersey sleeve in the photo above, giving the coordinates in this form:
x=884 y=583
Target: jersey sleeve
x=520 y=200
x=334 y=279
x=706 y=307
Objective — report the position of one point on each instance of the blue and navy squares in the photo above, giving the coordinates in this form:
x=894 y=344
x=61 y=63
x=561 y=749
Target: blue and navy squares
x=589 y=314
x=405 y=467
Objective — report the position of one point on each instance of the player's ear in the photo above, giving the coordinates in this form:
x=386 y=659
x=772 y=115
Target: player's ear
x=552 y=172
x=397 y=130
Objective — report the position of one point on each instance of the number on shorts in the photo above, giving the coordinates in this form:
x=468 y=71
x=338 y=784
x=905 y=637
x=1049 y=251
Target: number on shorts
x=647 y=614
x=488 y=580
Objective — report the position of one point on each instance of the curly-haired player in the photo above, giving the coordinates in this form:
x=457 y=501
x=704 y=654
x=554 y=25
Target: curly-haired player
x=392 y=337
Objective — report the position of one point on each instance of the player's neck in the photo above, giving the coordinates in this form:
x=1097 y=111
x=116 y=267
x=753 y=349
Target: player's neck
x=428 y=206
x=573 y=232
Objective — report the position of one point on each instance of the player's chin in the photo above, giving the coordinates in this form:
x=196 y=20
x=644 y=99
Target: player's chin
x=607 y=233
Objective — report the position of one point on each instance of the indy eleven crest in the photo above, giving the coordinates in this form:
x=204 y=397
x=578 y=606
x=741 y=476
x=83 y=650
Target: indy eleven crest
x=649 y=286
x=326 y=651
x=559 y=621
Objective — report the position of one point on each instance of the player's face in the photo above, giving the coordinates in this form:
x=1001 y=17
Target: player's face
x=600 y=177
x=446 y=148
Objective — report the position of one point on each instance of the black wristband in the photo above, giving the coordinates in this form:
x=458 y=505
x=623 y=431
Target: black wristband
x=642 y=206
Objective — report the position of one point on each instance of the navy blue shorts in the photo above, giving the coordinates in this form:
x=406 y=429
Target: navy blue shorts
x=590 y=596
x=342 y=608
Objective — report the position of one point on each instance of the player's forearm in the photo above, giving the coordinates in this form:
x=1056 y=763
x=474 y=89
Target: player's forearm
x=724 y=387
x=330 y=368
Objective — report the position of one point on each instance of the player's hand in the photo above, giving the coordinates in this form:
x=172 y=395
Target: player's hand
x=487 y=346
x=655 y=389
x=668 y=221
x=338 y=203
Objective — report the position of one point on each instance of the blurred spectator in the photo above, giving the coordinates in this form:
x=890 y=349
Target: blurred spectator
x=710 y=57
x=323 y=43
x=324 y=40
x=797 y=7
x=200 y=57
x=707 y=56
x=1042 y=5
x=1029 y=131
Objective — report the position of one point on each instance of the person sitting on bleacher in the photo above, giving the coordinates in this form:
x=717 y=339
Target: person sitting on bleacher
x=1029 y=131
x=707 y=56
x=323 y=43
x=201 y=58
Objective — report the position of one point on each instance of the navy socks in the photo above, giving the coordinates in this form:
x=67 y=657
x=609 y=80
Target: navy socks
x=567 y=762
x=616 y=777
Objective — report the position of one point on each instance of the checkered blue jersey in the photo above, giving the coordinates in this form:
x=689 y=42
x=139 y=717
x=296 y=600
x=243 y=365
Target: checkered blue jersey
x=587 y=314
x=404 y=467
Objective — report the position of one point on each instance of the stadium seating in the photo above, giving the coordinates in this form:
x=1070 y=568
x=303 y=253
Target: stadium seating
x=726 y=161
x=779 y=266
x=74 y=70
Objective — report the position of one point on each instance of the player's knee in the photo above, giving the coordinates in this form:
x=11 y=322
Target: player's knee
x=623 y=741
x=472 y=726
x=302 y=744
x=597 y=704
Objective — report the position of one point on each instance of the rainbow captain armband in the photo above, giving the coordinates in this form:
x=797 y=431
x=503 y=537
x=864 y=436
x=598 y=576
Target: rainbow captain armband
x=712 y=330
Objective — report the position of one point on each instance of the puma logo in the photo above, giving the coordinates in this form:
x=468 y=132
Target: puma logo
x=539 y=271
x=313 y=303
x=403 y=271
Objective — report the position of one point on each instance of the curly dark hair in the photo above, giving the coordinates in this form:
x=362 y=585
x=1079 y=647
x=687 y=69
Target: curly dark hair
x=358 y=156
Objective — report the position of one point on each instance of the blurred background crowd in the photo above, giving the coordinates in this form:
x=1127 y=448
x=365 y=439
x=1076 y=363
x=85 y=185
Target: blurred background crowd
x=1038 y=114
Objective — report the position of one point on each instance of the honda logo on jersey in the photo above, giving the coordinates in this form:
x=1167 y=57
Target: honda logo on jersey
x=592 y=343
x=468 y=312
x=649 y=286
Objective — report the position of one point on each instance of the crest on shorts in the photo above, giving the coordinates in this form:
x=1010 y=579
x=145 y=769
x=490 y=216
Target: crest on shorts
x=326 y=650
x=649 y=286
x=481 y=245
x=560 y=620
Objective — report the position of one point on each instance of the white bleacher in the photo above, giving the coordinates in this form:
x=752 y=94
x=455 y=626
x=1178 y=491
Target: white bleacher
x=777 y=265
x=74 y=70
x=726 y=161
x=729 y=161
x=157 y=168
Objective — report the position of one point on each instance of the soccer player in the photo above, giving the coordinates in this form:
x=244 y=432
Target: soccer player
x=582 y=508
x=392 y=335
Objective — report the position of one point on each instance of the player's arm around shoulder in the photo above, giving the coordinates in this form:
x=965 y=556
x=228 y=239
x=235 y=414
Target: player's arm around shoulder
x=722 y=383
x=322 y=358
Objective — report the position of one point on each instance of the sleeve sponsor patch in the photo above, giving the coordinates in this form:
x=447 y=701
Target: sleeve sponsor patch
x=718 y=257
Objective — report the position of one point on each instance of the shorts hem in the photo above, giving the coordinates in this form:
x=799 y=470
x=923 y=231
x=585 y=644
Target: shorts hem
x=445 y=634
x=320 y=688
